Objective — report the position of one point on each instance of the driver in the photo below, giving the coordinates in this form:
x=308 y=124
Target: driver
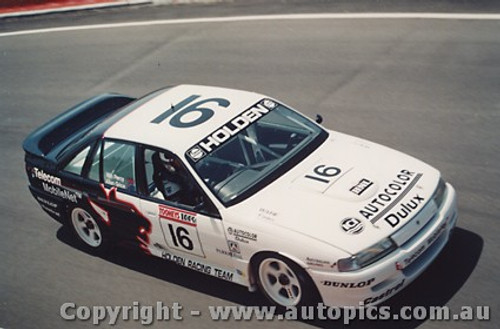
x=167 y=176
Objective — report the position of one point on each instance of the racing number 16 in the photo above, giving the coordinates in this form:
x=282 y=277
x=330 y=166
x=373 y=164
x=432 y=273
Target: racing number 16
x=322 y=173
x=182 y=110
x=180 y=236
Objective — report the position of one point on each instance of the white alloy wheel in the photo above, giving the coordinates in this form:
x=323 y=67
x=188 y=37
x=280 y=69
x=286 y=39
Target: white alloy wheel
x=86 y=227
x=280 y=282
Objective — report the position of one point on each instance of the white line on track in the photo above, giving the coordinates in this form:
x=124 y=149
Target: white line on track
x=445 y=16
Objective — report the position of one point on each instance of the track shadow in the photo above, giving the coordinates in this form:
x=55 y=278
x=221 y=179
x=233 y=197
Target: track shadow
x=435 y=287
x=170 y=272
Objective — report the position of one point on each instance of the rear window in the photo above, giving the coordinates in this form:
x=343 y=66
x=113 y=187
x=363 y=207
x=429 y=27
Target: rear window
x=75 y=166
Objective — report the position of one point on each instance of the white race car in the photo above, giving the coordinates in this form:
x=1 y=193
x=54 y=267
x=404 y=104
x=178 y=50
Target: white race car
x=239 y=186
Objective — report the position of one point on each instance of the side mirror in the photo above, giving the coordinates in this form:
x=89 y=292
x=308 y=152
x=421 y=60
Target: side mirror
x=206 y=207
x=319 y=119
x=199 y=205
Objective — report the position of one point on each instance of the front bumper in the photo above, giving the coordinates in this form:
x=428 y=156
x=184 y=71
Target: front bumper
x=383 y=279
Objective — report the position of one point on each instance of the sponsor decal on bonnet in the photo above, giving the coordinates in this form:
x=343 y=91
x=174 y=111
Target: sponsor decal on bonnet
x=267 y=214
x=352 y=225
x=405 y=208
x=361 y=186
x=392 y=195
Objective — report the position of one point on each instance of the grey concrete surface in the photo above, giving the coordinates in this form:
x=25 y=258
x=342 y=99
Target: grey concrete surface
x=426 y=87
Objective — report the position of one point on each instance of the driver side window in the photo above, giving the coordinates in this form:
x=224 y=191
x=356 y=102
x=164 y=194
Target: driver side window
x=168 y=179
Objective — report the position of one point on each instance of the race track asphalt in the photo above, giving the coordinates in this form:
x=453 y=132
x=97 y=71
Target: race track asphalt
x=426 y=87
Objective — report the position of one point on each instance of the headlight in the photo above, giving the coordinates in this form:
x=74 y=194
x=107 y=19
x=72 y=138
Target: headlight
x=367 y=256
x=439 y=193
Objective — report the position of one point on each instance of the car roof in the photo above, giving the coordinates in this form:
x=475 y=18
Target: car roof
x=154 y=123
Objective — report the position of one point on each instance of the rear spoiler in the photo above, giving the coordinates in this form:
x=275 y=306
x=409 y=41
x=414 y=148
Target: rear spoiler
x=82 y=116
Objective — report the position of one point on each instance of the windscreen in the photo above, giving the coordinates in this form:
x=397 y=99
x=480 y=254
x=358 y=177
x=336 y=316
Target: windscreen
x=245 y=152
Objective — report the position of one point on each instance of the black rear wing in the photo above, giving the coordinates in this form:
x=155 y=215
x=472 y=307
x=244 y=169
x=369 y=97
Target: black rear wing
x=83 y=116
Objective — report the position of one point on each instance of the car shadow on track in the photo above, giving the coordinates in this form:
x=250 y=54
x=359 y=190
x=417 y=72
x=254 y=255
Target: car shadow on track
x=170 y=272
x=435 y=287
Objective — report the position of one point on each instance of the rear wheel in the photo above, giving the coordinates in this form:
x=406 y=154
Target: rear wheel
x=89 y=231
x=283 y=282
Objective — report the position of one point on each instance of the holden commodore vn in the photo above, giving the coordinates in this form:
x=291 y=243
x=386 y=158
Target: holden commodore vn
x=241 y=187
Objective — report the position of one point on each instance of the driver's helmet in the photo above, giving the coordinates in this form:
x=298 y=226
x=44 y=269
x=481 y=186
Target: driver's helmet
x=169 y=162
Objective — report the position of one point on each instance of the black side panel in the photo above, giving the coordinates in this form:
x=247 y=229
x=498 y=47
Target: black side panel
x=83 y=116
x=50 y=204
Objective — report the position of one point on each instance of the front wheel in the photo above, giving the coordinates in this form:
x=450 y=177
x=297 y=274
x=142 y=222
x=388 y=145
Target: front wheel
x=88 y=230
x=283 y=282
